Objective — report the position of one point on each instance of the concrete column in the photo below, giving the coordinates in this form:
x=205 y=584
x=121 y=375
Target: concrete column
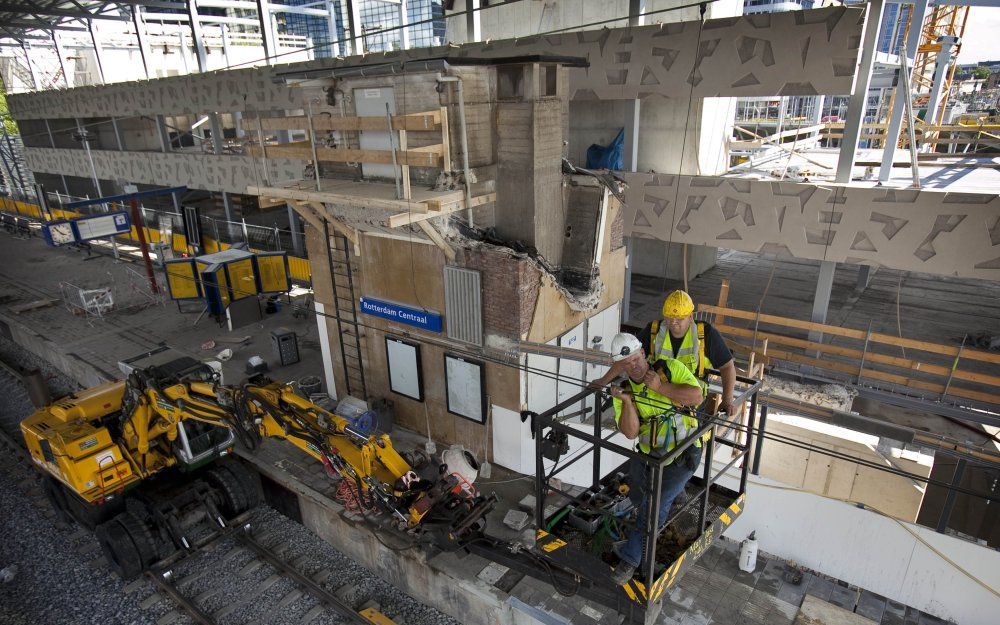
x=176 y=197
x=821 y=299
x=859 y=97
x=266 y=34
x=61 y=55
x=215 y=125
x=917 y=14
x=473 y=25
x=199 y=44
x=140 y=35
x=404 y=20
x=98 y=52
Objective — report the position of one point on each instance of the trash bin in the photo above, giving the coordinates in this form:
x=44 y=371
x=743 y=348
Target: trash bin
x=310 y=385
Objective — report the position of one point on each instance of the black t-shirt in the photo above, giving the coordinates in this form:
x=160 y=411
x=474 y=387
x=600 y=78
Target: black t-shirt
x=715 y=346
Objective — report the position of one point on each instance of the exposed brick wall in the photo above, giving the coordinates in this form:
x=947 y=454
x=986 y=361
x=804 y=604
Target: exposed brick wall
x=510 y=290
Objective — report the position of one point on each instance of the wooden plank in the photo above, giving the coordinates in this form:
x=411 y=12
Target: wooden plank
x=415 y=122
x=435 y=236
x=723 y=300
x=893 y=361
x=403 y=219
x=350 y=155
x=888 y=339
x=338 y=198
x=405 y=169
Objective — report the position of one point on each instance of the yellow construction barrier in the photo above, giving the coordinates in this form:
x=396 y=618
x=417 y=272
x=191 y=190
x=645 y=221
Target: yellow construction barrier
x=298 y=268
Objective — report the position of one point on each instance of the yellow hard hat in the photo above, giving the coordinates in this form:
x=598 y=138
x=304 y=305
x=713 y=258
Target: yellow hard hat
x=678 y=304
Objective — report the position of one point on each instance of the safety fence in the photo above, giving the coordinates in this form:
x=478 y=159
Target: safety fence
x=217 y=235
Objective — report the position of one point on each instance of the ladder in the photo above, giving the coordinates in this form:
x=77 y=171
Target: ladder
x=345 y=305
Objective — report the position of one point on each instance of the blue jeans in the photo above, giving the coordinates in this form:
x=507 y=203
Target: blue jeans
x=675 y=477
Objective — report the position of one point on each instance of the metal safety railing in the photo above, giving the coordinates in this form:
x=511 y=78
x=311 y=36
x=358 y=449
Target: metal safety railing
x=551 y=430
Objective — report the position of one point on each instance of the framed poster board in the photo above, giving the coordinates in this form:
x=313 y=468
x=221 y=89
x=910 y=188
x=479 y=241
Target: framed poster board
x=405 y=377
x=465 y=386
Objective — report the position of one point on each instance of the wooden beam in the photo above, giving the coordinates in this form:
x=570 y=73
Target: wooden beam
x=435 y=236
x=415 y=122
x=403 y=219
x=348 y=155
x=308 y=214
x=348 y=231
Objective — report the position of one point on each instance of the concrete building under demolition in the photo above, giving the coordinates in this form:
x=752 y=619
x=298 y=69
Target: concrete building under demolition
x=433 y=264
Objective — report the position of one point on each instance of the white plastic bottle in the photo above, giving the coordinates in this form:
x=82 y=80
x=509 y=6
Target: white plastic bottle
x=748 y=553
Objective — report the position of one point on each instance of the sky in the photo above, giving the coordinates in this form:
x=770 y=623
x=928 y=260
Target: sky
x=981 y=42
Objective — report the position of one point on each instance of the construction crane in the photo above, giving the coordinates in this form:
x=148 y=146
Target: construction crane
x=158 y=438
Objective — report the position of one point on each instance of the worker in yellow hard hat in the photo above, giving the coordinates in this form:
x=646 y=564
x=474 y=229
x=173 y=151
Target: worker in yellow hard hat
x=695 y=343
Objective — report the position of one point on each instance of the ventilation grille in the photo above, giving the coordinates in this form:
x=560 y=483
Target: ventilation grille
x=463 y=305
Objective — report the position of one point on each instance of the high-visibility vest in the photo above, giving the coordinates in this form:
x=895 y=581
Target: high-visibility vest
x=691 y=352
x=661 y=425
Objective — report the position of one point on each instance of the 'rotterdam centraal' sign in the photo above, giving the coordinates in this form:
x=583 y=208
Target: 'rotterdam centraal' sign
x=423 y=319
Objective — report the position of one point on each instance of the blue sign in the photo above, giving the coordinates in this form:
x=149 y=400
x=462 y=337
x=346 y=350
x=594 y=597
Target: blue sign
x=423 y=319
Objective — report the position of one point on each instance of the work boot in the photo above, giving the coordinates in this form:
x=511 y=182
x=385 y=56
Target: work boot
x=623 y=573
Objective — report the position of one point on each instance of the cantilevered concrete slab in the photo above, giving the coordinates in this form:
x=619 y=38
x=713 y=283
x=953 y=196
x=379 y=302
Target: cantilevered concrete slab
x=735 y=56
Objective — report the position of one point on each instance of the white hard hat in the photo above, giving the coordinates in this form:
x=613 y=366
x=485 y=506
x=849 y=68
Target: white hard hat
x=623 y=346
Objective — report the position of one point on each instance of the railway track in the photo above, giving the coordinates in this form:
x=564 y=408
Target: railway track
x=231 y=576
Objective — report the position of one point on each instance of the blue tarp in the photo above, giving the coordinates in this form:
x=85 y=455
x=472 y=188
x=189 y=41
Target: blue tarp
x=607 y=157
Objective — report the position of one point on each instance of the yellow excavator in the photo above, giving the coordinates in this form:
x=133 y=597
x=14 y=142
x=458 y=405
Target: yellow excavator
x=139 y=461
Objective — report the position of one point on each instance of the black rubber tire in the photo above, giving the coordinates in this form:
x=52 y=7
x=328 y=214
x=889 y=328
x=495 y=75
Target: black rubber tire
x=56 y=497
x=127 y=544
x=230 y=490
x=252 y=490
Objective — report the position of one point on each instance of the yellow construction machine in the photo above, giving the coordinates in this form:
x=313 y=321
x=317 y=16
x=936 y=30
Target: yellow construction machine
x=136 y=460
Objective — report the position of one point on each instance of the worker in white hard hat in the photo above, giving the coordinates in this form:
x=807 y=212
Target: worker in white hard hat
x=697 y=344
x=646 y=411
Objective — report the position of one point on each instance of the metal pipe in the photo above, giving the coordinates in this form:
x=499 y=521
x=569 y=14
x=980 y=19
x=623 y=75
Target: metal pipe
x=392 y=145
x=312 y=143
x=759 y=443
x=465 y=144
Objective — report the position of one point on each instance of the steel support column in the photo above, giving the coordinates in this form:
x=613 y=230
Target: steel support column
x=119 y=137
x=266 y=34
x=31 y=66
x=630 y=154
x=61 y=55
x=52 y=143
x=948 y=44
x=331 y=25
x=295 y=225
x=473 y=25
x=140 y=34
x=199 y=44
x=859 y=97
x=161 y=128
x=404 y=30
x=821 y=299
x=918 y=12
x=357 y=31
x=98 y=52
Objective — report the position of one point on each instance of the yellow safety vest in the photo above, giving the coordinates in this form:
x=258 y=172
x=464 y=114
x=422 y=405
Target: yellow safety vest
x=691 y=352
x=653 y=408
